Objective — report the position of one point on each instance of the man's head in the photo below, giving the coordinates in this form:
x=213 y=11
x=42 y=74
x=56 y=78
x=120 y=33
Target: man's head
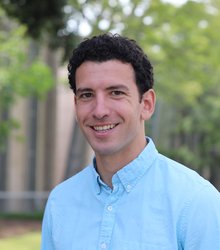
x=107 y=47
x=112 y=80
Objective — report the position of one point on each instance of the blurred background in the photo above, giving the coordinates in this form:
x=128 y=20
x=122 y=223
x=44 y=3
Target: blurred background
x=40 y=143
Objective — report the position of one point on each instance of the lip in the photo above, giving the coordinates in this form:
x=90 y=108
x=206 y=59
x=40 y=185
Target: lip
x=103 y=128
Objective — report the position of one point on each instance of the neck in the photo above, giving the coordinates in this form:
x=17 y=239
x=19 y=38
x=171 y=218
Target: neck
x=108 y=165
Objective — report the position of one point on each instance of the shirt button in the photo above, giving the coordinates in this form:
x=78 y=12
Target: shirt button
x=103 y=245
x=109 y=208
x=128 y=188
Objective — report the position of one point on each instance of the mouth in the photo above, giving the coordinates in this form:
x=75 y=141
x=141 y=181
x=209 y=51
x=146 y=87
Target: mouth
x=104 y=128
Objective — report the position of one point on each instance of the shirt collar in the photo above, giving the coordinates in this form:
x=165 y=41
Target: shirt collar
x=133 y=172
x=99 y=184
x=130 y=174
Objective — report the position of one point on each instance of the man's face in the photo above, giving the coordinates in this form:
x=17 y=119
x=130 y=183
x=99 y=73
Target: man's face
x=108 y=107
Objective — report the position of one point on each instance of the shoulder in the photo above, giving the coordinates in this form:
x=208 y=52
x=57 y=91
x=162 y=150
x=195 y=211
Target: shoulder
x=195 y=200
x=180 y=175
x=74 y=185
x=170 y=174
x=181 y=184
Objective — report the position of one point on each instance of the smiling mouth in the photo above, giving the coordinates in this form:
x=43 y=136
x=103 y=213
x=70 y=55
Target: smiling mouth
x=104 y=127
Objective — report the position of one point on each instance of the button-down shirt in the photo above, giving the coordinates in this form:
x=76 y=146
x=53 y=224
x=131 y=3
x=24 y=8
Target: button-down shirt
x=155 y=204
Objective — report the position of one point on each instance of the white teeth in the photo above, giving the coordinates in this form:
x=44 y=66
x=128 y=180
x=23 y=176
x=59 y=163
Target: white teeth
x=104 y=128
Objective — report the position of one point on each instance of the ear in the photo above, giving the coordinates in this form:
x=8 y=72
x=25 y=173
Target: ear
x=148 y=104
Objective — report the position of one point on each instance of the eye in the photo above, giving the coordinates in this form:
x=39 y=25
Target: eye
x=117 y=93
x=85 y=96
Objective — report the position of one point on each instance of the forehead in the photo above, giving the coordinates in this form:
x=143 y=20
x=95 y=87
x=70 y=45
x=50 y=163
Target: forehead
x=104 y=73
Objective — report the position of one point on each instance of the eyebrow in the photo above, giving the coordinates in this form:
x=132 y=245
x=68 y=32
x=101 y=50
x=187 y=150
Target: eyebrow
x=122 y=87
x=114 y=87
x=82 y=90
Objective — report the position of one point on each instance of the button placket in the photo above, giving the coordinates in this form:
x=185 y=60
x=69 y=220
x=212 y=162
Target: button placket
x=108 y=220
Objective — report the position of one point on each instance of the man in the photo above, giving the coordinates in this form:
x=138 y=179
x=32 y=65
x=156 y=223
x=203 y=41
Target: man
x=131 y=197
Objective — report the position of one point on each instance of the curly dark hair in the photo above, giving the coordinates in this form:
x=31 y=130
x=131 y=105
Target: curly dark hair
x=108 y=47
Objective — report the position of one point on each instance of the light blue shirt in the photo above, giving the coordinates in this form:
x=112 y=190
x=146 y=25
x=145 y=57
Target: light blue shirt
x=156 y=204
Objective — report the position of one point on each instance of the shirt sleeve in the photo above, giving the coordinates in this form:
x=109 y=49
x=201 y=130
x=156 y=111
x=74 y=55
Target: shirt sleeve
x=201 y=221
x=46 y=236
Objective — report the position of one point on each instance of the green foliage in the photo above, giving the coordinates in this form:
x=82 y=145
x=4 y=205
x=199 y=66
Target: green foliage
x=5 y=127
x=18 y=76
x=34 y=79
x=45 y=21
x=45 y=15
x=187 y=73
x=38 y=216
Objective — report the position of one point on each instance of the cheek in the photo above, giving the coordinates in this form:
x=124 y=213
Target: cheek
x=131 y=114
x=79 y=113
x=83 y=112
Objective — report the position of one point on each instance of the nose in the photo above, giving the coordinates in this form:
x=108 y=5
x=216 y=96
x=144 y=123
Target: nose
x=101 y=107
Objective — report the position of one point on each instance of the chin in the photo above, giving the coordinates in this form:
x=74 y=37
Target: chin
x=104 y=151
